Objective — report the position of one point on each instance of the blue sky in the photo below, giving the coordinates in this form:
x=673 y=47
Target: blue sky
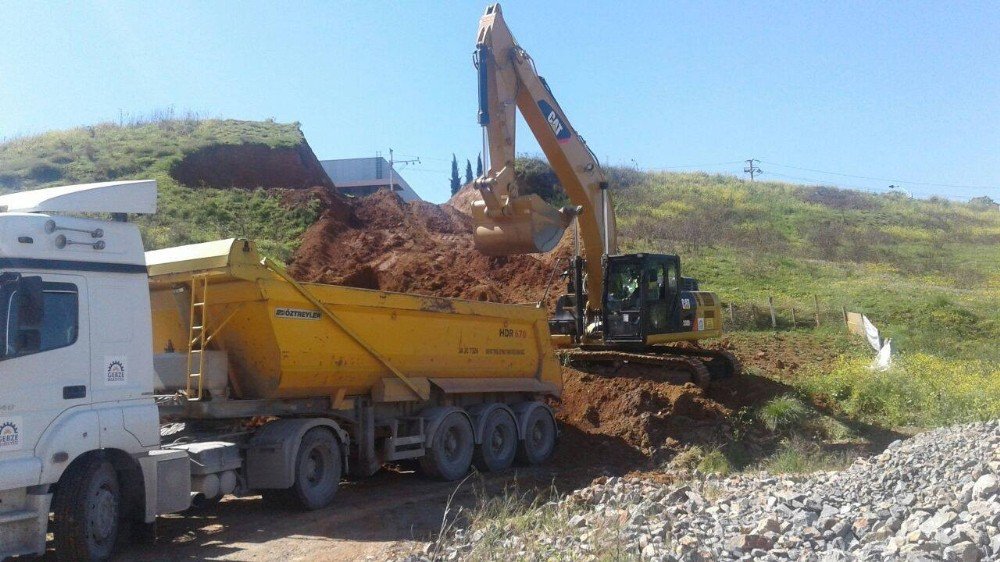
x=898 y=92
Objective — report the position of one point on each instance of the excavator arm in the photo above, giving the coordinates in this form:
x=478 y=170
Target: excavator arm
x=507 y=222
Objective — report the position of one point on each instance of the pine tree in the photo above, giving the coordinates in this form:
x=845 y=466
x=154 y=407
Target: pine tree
x=456 y=180
x=479 y=166
x=468 y=171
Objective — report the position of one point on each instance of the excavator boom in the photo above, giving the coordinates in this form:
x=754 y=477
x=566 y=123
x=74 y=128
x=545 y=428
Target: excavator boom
x=617 y=305
x=506 y=221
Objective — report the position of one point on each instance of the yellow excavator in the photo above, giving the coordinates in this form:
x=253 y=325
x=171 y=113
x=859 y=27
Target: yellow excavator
x=618 y=307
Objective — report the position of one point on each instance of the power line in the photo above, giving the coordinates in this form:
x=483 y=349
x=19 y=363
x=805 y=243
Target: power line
x=878 y=179
x=701 y=165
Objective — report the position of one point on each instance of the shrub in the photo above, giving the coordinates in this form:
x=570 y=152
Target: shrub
x=783 y=413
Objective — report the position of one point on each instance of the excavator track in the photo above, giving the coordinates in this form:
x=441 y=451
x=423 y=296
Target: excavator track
x=693 y=366
x=721 y=364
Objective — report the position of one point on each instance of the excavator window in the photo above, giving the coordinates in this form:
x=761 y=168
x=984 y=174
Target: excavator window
x=624 y=302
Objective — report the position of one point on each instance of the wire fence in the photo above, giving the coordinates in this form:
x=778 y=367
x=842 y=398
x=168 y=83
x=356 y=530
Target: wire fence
x=774 y=313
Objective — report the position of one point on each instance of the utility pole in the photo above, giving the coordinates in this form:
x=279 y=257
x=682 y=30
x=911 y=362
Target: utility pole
x=391 y=162
x=751 y=167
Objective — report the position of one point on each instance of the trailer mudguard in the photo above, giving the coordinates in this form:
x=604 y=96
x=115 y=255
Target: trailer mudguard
x=273 y=448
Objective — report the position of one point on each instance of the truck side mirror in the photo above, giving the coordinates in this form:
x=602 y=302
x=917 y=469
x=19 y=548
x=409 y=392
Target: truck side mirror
x=31 y=303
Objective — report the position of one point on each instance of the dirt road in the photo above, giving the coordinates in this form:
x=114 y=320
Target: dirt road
x=391 y=512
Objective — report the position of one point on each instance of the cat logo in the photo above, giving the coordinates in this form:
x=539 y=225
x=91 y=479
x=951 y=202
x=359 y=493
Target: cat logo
x=555 y=122
x=10 y=435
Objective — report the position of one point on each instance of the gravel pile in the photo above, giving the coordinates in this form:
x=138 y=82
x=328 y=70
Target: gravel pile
x=935 y=496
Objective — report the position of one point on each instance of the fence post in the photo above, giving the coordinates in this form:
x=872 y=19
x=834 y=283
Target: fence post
x=816 y=300
x=774 y=318
x=844 y=310
x=732 y=317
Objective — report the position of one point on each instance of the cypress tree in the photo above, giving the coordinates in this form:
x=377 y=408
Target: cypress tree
x=456 y=180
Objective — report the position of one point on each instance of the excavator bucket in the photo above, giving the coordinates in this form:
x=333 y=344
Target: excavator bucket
x=528 y=225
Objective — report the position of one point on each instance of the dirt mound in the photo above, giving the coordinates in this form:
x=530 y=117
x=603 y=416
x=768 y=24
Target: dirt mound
x=381 y=242
x=641 y=405
x=464 y=198
x=250 y=166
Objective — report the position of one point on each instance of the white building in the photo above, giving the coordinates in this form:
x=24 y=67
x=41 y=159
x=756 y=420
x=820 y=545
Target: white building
x=360 y=177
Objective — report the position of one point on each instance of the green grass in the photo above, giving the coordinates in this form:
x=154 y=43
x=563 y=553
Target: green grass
x=189 y=216
x=783 y=413
x=919 y=390
x=799 y=456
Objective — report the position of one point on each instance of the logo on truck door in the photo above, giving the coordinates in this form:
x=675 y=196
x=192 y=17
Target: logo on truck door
x=114 y=370
x=556 y=123
x=10 y=434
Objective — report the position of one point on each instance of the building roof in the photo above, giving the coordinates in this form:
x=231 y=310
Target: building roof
x=358 y=173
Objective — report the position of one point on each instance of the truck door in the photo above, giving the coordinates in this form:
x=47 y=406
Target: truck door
x=44 y=355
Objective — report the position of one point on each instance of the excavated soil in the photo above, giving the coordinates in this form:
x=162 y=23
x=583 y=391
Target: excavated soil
x=381 y=242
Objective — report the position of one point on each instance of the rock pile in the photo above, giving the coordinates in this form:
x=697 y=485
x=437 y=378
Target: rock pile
x=933 y=497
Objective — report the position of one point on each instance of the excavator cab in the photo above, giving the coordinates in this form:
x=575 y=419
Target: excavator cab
x=642 y=297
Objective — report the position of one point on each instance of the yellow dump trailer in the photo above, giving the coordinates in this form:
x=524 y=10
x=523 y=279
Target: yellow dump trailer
x=235 y=337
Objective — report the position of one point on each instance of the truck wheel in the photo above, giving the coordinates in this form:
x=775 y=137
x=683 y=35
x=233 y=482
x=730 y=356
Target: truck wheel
x=539 y=438
x=499 y=442
x=88 y=510
x=318 y=468
x=450 y=455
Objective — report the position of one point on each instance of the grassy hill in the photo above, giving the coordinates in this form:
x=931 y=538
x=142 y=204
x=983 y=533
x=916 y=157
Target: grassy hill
x=172 y=150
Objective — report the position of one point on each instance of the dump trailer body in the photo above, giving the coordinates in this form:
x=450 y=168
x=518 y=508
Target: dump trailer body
x=286 y=340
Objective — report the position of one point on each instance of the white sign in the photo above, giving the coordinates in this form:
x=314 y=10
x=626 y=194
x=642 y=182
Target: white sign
x=10 y=434
x=115 y=370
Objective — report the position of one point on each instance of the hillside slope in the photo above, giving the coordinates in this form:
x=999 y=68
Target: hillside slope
x=927 y=271
x=195 y=162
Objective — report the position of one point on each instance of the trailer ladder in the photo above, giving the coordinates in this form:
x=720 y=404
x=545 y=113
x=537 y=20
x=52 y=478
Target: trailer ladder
x=199 y=336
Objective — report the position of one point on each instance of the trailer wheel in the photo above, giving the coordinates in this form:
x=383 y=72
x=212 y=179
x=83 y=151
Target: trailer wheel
x=88 y=511
x=450 y=455
x=539 y=439
x=318 y=469
x=499 y=442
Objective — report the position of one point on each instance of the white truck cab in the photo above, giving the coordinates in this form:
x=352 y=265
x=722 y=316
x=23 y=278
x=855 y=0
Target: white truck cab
x=76 y=366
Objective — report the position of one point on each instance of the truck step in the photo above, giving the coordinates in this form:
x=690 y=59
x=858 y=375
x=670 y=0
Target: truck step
x=19 y=515
x=404 y=441
x=409 y=454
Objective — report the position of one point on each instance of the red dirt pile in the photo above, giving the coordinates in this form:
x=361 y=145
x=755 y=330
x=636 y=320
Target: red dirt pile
x=381 y=242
